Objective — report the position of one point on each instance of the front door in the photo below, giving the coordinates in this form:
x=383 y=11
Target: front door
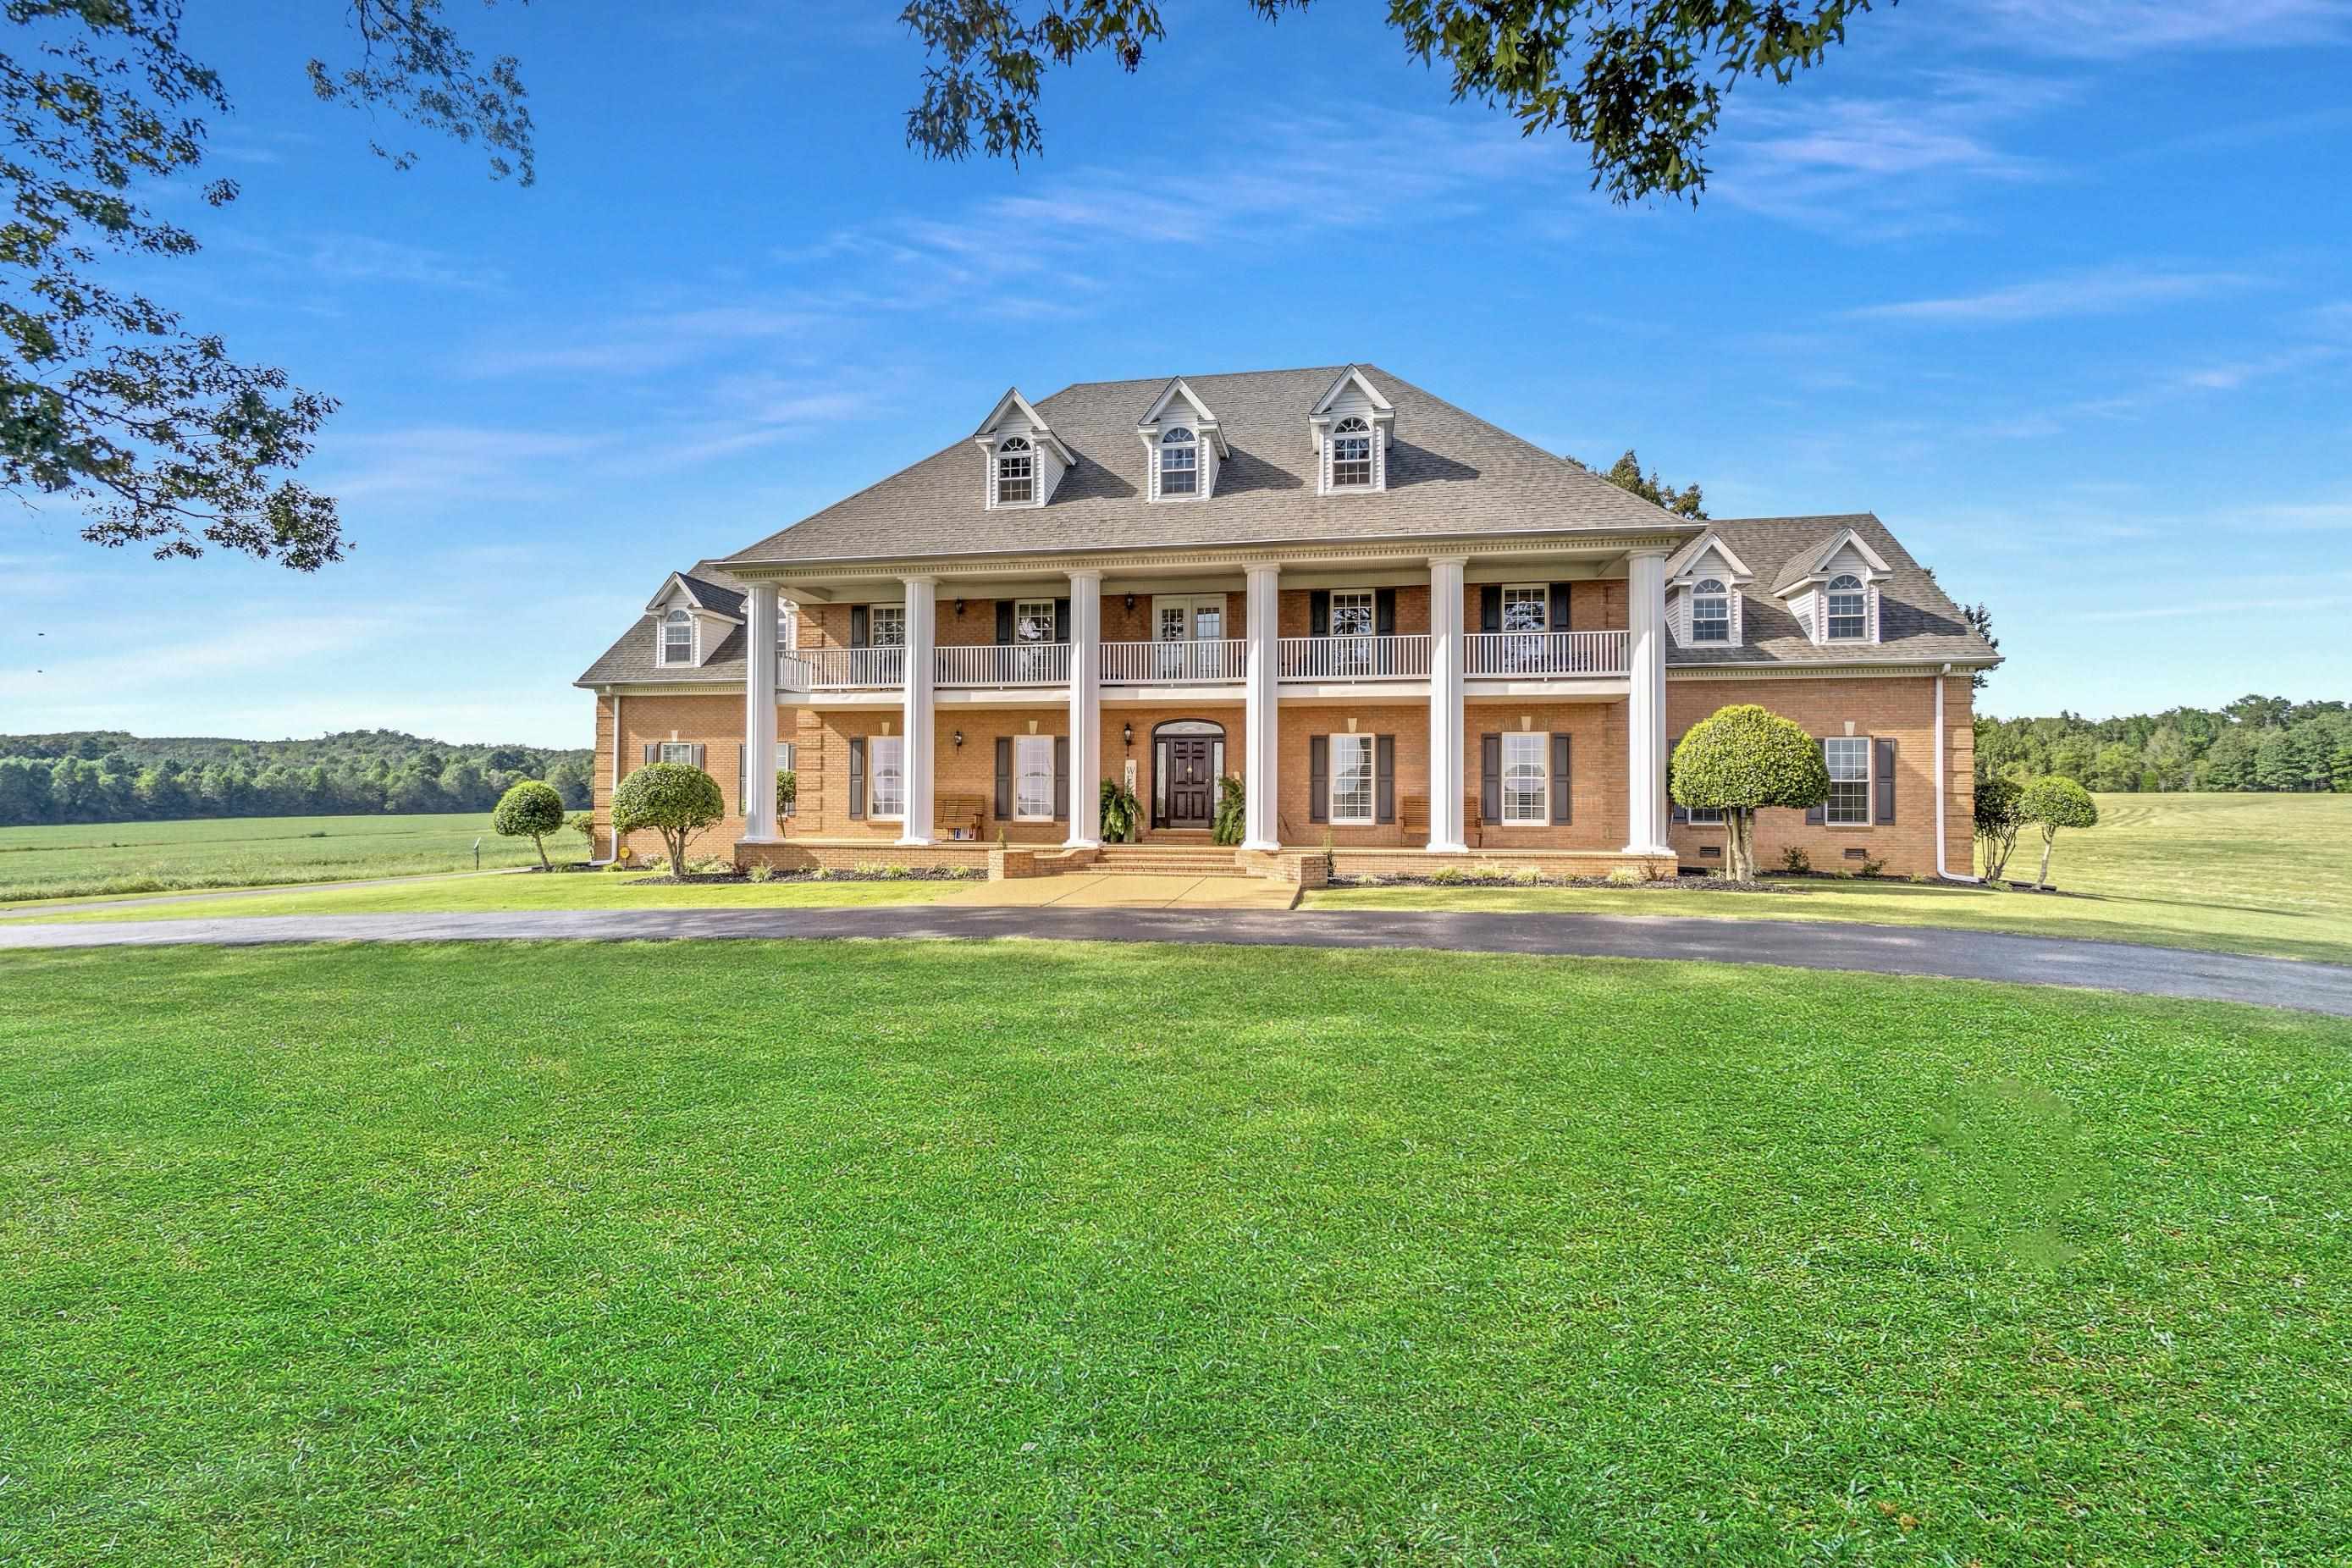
x=1191 y=782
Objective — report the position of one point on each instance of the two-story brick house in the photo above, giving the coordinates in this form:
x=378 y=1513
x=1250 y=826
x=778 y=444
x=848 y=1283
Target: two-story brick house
x=1398 y=628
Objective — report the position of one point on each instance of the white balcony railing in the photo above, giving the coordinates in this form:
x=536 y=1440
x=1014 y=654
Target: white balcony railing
x=1537 y=655
x=840 y=668
x=1354 y=658
x=1173 y=663
x=1002 y=664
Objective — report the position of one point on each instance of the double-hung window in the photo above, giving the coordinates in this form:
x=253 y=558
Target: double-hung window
x=1032 y=620
x=1179 y=463
x=1016 y=472
x=1032 y=778
x=678 y=638
x=1848 y=757
x=886 y=625
x=1848 y=610
x=1526 y=779
x=885 y=776
x=1710 y=613
x=1352 y=618
x=677 y=751
x=1351 y=780
x=1526 y=607
x=1351 y=455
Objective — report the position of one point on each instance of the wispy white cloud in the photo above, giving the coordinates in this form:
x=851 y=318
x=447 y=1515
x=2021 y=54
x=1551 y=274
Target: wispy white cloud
x=2108 y=29
x=450 y=463
x=2106 y=292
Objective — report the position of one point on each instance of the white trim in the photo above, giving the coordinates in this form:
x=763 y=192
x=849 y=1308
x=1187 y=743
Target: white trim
x=1869 y=780
x=1542 y=739
x=1032 y=743
x=662 y=623
x=803 y=576
x=874 y=772
x=1370 y=748
x=1039 y=431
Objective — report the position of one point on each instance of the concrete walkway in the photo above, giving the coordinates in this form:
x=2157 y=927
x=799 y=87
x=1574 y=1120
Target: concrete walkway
x=1883 y=950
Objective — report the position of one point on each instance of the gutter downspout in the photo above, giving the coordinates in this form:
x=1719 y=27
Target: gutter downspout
x=1943 y=744
x=616 y=694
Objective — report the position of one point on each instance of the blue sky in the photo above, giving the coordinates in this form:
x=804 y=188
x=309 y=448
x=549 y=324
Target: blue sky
x=2060 y=289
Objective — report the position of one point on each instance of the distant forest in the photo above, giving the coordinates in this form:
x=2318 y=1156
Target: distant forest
x=2254 y=743
x=108 y=775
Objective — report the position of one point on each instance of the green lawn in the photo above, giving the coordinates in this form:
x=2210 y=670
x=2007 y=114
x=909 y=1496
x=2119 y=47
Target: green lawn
x=250 y=851
x=2236 y=873
x=933 y=1253
x=567 y=890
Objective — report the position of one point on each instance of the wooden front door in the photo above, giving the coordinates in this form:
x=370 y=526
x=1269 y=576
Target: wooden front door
x=1192 y=781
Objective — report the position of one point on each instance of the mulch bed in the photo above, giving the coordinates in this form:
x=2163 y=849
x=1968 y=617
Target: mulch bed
x=723 y=878
x=1471 y=880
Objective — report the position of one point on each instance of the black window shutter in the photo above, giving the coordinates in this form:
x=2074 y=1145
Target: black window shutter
x=857 y=777
x=743 y=781
x=1490 y=608
x=858 y=625
x=1318 y=613
x=1882 y=776
x=1319 y=778
x=1061 y=778
x=1061 y=620
x=1490 y=778
x=700 y=752
x=1557 y=622
x=1818 y=815
x=1384 y=776
x=1562 y=810
x=1004 y=776
x=1384 y=612
x=1676 y=811
x=1003 y=622
x=653 y=752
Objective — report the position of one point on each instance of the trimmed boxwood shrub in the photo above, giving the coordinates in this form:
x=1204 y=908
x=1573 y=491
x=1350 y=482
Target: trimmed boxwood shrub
x=1742 y=757
x=1998 y=820
x=2055 y=803
x=529 y=810
x=677 y=800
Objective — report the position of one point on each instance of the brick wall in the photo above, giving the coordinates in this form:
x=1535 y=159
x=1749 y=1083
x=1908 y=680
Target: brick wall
x=716 y=722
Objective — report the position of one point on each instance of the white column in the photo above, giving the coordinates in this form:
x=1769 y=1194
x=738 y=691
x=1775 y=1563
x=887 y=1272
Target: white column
x=1262 y=620
x=1445 y=740
x=1645 y=704
x=922 y=626
x=760 y=717
x=1086 y=709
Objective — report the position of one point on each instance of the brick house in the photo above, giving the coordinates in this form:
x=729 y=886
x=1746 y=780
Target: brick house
x=1398 y=628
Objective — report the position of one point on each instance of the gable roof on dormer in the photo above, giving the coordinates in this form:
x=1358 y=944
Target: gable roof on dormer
x=1199 y=415
x=699 y=592
x=1318 y=418
x=1013 y=403
x=1814 y=565
x=1684 y=566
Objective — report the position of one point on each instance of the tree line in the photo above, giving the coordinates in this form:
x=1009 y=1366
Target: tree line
x=2254 y=743
x=99 y=775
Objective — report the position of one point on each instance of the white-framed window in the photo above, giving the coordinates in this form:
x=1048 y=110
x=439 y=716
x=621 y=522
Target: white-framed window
x=1526 y=607
x=1848 y=757
x=788 y=625
x=677 y=637
x=1351 y=455
x=1351 y=780
x=1032 y=620
x=885 y=776
x=1705 y=816
x=1847 y=605
x=1710 y=612
x=1352 y=613
x=1526 y=779
x=676 y=751
x=1016 y=472
x=1179 y=463
x=1032 y=778
x=886 y=625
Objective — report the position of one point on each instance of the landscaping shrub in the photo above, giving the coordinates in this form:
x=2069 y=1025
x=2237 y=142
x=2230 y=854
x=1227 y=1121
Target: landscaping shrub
x=762 y=872
x=1628 y=875
x=1232 y=821
x=677 y=800
x=1795 y=861
x=1871 y=867
x=1742 y=757
x=1120 y=813
x=529 y=810
x=584 y=823
x=2055 y=803
x=1998 y=818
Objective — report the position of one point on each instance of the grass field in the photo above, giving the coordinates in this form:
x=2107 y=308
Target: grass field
x=250 y=851
x=921 y=1253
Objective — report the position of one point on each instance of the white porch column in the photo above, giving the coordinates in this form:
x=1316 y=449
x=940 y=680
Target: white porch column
x=760 y=717
x=1262 y=625
x=1445 y=666
x=922 y=627
x=1086 y=709
x=1645 y=704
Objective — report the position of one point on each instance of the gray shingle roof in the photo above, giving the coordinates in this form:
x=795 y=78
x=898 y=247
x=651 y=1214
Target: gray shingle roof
x=631 y=658
x=1449 y=472
x=1917 y=621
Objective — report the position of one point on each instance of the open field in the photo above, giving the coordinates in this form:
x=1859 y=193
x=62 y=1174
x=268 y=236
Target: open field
x=925 y=1254
x=251 y=851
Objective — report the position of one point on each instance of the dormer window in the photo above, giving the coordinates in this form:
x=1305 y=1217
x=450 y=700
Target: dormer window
x=677 y=637
x=1847 y=610
x=1351 y=455
x=1710 y=612
x=1180 y=462
x=1016 y=472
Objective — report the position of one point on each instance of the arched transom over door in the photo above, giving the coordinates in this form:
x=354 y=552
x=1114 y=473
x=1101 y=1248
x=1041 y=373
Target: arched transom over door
x=1188 y=757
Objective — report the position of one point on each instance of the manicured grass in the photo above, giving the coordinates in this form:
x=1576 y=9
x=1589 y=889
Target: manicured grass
x=932 y=1253
x=2234 y=873
x=251 y=851
x=565 y=891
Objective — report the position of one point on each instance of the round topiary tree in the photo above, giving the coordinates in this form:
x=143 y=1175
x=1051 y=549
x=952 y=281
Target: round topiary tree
x=1742 y=757
x=1996 y=822
x=529 y=810
x=677 y=800
x=2053 y=802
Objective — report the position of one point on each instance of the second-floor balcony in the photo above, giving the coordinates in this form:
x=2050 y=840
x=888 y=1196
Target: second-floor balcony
x=1486 y=655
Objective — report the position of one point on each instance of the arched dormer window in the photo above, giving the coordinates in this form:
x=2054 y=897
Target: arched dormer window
x=678 y=638
x=1016 y=472
x=1847 y=609
x=1351 y=455
x=1180 y=462
x=1710 y=612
